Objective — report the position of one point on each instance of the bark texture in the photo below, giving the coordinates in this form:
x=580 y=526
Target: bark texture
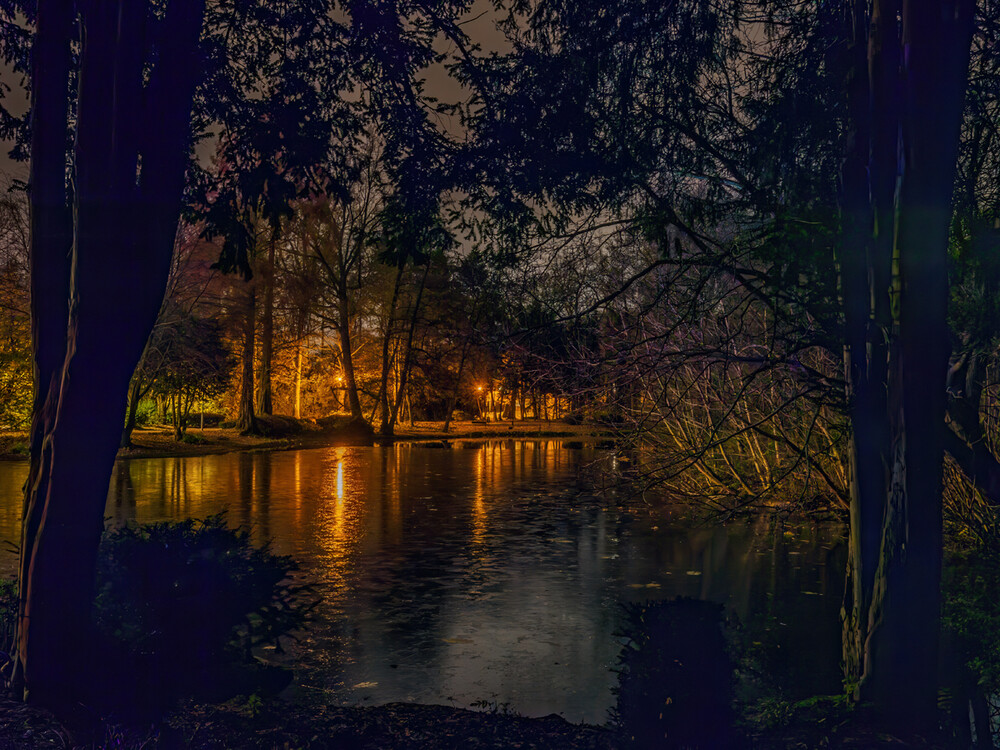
x=96 y=293
x=906 y=79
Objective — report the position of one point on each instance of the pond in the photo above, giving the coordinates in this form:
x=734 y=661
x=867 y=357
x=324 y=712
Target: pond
x=492 y=572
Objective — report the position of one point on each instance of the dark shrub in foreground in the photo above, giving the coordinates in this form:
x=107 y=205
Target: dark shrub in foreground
x=180 y=606
x=675 y=687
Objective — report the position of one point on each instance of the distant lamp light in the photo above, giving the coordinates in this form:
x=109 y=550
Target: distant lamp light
x=479 y=388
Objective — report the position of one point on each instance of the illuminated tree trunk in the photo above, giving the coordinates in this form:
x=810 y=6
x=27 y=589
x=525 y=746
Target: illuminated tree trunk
x=298 y=381
x=404 y=367
x=337 y=272
x=453 y=396
x=897 y=342
x=134 y=394
x=129 y=159
x=347 y=359
x=389 y=333
x=246 y=422
x=264 y=405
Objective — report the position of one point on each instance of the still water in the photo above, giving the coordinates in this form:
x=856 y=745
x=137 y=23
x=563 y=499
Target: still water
x=486 y=571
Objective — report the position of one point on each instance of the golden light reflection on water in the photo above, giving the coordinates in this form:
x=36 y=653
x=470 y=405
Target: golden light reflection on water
x=466 y=570
x=479 y=519
x=332 y=532
x=297 y=486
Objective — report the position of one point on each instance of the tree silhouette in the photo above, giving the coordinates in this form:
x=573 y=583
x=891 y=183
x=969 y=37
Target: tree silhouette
x=100 y=252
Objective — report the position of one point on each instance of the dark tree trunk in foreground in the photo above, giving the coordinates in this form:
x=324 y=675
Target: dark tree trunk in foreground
x=897 y=341
x=129 y=159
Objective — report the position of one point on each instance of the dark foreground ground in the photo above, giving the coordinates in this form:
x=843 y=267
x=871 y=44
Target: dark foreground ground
x=242 y=724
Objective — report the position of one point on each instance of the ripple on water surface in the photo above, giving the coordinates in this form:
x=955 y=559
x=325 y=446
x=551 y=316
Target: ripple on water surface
x=486 y=570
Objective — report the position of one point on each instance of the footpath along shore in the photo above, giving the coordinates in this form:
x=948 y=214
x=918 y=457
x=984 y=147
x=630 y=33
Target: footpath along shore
x=160 y=442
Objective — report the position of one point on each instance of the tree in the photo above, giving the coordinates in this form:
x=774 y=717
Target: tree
x=906 y=94
x=708 y=129
x=132 y=95
x=194 y=289
x=15 y=334
x=197 y=365
x=117 y=80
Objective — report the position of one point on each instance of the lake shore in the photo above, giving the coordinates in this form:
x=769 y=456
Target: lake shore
x=273 y=725
x=160 y=442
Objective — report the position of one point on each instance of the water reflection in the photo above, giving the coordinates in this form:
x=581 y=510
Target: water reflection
x=470 y=571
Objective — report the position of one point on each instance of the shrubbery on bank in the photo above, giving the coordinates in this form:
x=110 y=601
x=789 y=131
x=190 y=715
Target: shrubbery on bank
x=179 y=608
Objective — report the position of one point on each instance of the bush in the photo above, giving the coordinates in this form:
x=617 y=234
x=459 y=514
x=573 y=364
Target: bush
x=607 y=417
x=8 y=616
x=345 y=429
x=179 y=608
x=146 y=413
x=276 y=425
x=971 y=622
x=211 y=418
x=675 y=677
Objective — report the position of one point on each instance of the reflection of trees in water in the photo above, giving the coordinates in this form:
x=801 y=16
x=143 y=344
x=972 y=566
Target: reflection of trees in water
x=784 y=585
x=122 y=487
x=429 y=557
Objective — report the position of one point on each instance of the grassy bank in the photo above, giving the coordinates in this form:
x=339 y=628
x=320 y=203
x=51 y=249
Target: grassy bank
x=159 y=441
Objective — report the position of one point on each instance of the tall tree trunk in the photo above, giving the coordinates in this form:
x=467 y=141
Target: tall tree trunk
x=264 y=405
x=383 y=389
x=175 y=414
x=129 y=168
x=246 y=422
x=347 y=359
x=893 y=607
x=453 y=396
x=134 y=394
x=870 y=444
x=51 y=227
x=298 y=381
x=404 y=368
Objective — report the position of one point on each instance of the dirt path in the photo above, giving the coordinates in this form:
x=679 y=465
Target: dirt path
x=160 y=441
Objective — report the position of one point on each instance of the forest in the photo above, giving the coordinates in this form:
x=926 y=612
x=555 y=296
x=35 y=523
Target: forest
x=753 y=241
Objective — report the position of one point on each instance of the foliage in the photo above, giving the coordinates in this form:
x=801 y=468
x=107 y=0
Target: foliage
x=818 y=711
x=971 y=613
x=8 y=614
x=146 y=413
x=194 y=360
x=15 y=334
x=675 y=686
x=15 y=379
x=190 y=600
